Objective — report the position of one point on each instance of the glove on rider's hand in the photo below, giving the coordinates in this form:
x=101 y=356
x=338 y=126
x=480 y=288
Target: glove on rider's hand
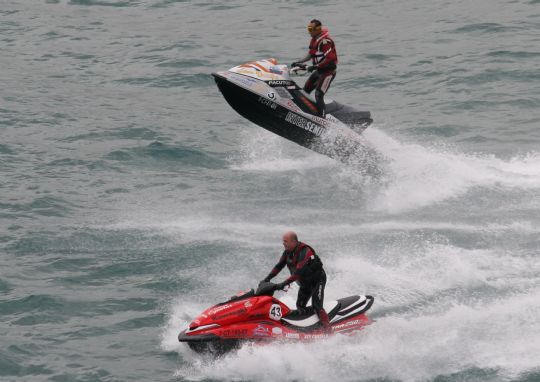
x=267 y=279
x=312 y=68
x=281 y=286
x=295 y=64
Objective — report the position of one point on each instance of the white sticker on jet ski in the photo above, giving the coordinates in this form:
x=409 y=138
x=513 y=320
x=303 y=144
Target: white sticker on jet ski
x=305 y=124
x=268 y=103
x=275 y=312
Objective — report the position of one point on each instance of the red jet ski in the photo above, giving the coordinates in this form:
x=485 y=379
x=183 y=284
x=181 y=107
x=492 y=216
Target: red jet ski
x=256 y=316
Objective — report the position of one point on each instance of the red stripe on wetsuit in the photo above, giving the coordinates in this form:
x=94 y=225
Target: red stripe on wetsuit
x=299 y=261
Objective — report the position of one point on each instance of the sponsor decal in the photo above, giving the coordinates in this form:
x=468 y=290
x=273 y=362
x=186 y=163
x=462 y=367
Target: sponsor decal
x=305 y=124
x=233 y=333
x=294 y=336
x=271 y=95
x=261 y=331
x=347 y=324
x=267 y=102
x=280 y=83
x=315 y=336
x=245 y=71
x=331 y=118
x=320 y=120
x=247 y=304
x=244 y=80
x=275 y=312
x=229 y=314
x=219 y=309
x=277 y=331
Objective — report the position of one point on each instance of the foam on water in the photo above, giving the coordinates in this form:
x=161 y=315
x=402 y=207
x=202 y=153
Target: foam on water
x=408 y=349
x=428 y=322
x=440 y=309
x=189 y=229
x=264 y=151
x=413 y=176
x=421 y=176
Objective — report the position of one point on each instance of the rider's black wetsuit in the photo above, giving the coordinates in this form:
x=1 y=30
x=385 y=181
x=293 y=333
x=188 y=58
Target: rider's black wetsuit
x=307 y=269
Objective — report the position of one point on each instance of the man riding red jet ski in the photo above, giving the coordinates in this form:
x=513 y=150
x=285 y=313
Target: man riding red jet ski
x=256 y=316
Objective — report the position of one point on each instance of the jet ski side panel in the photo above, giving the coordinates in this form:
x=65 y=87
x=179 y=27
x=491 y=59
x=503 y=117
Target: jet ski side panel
x=260 y=319
x=268 y=114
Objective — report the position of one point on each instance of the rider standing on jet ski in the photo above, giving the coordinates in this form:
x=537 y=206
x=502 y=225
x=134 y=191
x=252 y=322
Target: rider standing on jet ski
x=307 y=269
x=322 y=52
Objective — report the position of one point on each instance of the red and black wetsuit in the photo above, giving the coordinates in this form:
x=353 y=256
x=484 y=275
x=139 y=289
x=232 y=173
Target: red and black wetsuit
x=306 y=268
x=324 y=56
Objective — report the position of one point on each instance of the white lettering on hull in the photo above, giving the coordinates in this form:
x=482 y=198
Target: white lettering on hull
x=304 y=123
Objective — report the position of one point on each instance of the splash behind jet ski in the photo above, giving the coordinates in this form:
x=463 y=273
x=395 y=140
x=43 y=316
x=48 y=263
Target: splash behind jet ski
x=264 y=92
x=258 y=317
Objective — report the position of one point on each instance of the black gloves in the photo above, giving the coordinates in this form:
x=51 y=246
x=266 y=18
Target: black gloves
x=312 y=68
x=281 y=286
x=267 y=279
x=294 y=64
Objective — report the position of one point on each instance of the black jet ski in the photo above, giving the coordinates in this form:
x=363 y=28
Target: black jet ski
x=263 y=92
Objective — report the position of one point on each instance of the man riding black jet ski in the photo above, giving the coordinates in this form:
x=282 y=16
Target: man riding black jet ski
x=323 y=54
x=264 y=92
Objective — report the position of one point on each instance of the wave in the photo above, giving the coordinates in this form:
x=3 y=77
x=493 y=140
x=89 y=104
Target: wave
x=411 y=176
x=421 y=176
x=428 y=324
x=157 y=153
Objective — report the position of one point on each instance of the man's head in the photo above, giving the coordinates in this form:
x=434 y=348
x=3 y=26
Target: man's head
x=314 y=28
x=290 y=240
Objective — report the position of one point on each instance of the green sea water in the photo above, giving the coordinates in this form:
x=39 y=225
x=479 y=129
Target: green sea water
x=132 y=196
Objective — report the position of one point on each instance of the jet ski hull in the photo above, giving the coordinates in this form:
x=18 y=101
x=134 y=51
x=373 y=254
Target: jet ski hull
x=261 y=319
x=256 y=109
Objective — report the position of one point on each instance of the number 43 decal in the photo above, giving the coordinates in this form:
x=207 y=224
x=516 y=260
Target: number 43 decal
x=275 y=312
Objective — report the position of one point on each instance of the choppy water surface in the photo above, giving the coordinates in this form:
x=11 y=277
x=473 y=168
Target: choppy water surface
x=133 y=197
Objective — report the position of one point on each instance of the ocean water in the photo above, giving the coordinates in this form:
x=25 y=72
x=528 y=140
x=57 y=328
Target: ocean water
x=132 y=196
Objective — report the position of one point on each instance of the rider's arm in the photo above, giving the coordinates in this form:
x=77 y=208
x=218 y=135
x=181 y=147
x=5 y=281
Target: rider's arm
x=306 y=58
x=277 y=268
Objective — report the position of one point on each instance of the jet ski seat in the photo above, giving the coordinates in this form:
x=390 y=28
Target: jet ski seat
x=307 y=317
x=337 y=310
x=347 y=114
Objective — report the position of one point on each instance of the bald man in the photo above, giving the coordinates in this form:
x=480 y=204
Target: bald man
x=307 y=269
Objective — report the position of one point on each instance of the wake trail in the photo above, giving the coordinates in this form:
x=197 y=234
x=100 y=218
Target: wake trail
x=419 y=176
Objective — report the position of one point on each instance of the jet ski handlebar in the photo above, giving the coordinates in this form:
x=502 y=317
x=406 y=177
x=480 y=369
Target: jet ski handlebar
x=265 y=289
x=298 y=69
